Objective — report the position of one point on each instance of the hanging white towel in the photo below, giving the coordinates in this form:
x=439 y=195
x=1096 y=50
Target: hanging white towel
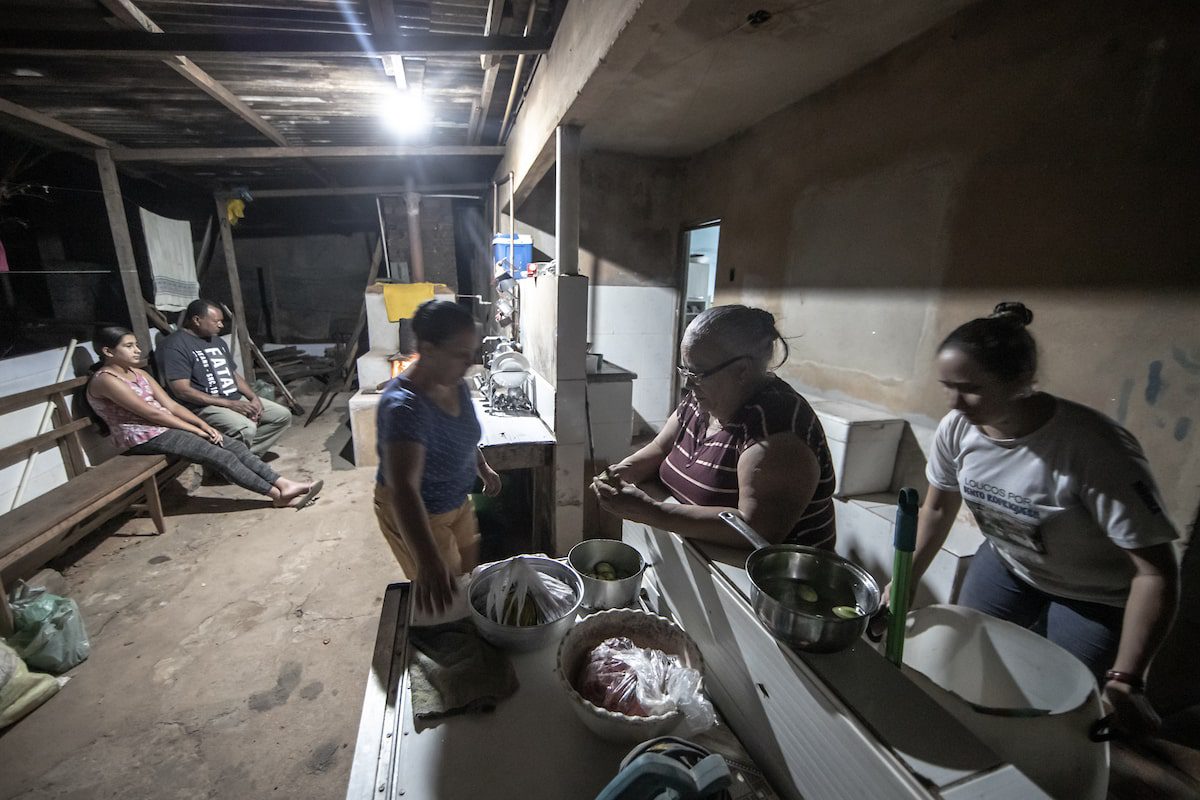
x=169 y=244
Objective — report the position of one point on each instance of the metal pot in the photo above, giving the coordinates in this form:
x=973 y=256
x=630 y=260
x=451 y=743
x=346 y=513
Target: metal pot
x=823 y=571
x=608 y=594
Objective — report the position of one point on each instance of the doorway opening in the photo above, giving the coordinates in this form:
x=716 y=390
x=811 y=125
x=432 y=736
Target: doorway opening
x=698 y=278
x=700 y=270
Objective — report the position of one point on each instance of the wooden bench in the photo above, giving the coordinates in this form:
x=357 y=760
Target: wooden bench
x=34 y=532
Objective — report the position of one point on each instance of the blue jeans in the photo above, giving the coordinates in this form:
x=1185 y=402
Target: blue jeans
x=1089 y=631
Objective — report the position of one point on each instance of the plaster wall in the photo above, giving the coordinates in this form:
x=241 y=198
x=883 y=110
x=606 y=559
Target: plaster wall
x=437 y=239
x=630 y=251
x=1041 y=152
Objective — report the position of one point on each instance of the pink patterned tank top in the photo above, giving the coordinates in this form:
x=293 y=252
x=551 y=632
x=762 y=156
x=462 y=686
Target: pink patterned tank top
x=128 y=429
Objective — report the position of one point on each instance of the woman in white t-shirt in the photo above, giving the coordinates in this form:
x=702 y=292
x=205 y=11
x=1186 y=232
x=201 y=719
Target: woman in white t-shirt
x=1076 y=536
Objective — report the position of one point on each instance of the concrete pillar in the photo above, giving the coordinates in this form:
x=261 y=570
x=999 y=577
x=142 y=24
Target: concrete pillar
x=566 y=204
x=416 y=262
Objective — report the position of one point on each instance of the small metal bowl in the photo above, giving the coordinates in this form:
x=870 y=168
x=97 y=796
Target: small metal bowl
x=625 y=559
x=523 y=638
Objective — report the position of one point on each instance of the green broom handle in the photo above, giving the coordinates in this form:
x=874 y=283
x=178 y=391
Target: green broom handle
x=905 y=541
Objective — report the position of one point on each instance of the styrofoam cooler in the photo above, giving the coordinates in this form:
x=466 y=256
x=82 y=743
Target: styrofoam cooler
x=1026 y=698
x=863 y=444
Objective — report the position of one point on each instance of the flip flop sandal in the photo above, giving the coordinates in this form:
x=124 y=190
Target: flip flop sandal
x=310 y=496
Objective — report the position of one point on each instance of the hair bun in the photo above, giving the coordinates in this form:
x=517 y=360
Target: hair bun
x=1016 y=312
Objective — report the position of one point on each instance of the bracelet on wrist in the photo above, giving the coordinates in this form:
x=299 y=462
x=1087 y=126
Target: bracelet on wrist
x=1130 y=679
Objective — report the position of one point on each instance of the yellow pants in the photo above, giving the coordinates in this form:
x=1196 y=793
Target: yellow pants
x=456 y=534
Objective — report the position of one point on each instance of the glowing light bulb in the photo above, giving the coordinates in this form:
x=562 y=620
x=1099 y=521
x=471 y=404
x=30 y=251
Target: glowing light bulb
x=404 y=113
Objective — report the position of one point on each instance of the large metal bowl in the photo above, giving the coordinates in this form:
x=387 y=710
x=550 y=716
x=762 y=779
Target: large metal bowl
x=624 y=558
x=523 y=638
x=828 y=574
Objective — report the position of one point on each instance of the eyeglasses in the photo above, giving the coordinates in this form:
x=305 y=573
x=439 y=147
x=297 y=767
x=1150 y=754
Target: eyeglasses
x=694 y=378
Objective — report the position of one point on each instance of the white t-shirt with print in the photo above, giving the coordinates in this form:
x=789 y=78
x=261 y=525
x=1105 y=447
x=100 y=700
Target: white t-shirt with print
x=1060 y=504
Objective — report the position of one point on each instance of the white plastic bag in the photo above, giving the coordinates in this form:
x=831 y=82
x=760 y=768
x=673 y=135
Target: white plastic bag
x=521 y=595
x=640 y=681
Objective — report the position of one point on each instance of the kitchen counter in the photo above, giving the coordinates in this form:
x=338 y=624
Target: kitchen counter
x=532 y=746
x=821 y=725
x=514 y=441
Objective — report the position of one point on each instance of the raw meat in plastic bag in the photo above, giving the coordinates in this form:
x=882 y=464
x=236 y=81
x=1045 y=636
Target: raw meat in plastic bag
x=620 y=676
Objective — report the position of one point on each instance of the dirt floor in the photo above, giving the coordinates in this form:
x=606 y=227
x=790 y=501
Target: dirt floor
x=229 y=655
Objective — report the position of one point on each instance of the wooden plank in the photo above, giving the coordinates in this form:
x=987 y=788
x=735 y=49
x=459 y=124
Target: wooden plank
x=50 y=123
x=495 y=15
x=30 y=396
x=124 y=247
x=235 y=289
x=67 y=505
x=70 y=446
x=198 y=154
x=15 y=452
x=206 y=249
x=466 y=189
x=142 y=45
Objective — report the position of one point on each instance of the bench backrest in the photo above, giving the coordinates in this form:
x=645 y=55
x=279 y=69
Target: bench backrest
x=65 y=432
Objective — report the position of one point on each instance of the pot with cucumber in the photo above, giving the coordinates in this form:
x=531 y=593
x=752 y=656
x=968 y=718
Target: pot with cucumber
x=611 y=571
x=811 y=599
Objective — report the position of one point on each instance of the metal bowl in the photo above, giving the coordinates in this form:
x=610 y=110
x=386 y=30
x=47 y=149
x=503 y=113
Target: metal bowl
x=523 y=638
x=624 y=558
x=828 y=574
x=646 y=630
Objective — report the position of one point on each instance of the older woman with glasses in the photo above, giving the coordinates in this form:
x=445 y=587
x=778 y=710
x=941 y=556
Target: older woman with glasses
x=742 y=440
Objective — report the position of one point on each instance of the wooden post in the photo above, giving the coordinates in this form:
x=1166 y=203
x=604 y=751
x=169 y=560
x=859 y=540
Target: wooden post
x=235 y=290
x=206 y=249
x=126 y=263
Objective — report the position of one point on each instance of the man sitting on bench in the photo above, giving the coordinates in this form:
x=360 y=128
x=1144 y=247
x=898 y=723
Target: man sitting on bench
x=199 y=371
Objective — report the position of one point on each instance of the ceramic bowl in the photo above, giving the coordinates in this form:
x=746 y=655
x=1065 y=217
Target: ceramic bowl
x=646 y=630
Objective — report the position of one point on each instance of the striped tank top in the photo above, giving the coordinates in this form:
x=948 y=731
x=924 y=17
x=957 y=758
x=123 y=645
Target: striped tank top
x=701 y=469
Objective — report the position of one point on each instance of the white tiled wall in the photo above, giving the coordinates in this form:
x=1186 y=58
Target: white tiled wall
x=635 y=328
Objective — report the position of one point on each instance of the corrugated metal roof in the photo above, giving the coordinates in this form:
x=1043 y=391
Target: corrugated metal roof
x=307 y=101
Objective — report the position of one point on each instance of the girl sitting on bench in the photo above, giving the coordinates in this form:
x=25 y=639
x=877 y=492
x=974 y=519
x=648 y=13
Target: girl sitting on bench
x=144 y=420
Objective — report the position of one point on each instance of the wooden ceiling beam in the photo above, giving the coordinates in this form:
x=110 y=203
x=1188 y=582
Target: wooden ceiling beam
x=491 y=68
x=349 y=191
x=50 y=123
x=131 y=15
x=199 y=154
x=142 y=45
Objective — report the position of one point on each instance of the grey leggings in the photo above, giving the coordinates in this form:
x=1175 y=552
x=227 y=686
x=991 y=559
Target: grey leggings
x=232 y=459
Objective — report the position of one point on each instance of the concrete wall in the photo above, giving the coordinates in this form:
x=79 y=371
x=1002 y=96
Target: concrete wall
x=630 y=250
x=437 y=238
x=314 y=284
x=1042 y=152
